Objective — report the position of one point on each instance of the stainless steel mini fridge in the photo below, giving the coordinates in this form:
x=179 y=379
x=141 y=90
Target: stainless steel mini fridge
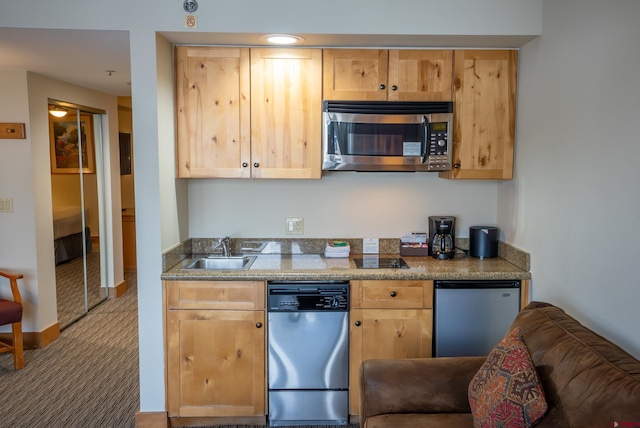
x=470 y=317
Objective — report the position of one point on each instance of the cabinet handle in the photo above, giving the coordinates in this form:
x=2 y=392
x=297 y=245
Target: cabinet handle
x=394 y=88
x=259 y=325
x=255 y=165
x=357 y=323
x=456 y=165
x=244 y=164
x=382 y=86
x=393 y=294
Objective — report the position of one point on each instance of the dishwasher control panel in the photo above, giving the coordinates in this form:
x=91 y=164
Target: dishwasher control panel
x=307 y=296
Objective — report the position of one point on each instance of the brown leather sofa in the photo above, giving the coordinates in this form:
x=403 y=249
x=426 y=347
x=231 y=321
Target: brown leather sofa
x=587 y=380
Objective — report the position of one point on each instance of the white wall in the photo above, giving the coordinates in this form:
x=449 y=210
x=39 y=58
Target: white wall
x=575 y=201
x=17 y=229
x=340 y=205
x=409 y=17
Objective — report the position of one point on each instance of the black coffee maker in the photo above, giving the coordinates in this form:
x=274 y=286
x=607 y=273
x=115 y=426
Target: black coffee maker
x=442 y=239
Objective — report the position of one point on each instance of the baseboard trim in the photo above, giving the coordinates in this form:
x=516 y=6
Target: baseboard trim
x=152 y=420
x=216 y=421
x=118 y=290
x=36 y=339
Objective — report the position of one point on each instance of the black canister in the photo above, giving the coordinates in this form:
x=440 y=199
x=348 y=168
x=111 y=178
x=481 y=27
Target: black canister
x=483 y=241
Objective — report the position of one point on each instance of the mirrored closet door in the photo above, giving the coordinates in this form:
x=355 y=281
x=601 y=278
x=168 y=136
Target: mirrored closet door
x=76 y=189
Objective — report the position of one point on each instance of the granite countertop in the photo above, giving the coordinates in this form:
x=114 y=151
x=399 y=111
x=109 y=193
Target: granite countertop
x=313 y=266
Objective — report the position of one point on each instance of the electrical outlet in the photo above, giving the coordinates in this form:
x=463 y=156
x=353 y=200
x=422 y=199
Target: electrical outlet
x=294 y=226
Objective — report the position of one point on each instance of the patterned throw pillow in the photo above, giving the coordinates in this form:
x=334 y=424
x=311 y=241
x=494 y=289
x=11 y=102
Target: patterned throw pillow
x=506 y=391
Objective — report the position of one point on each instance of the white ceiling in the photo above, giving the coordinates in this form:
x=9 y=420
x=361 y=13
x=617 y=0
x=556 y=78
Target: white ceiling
x=82 y=57
x=75 y=56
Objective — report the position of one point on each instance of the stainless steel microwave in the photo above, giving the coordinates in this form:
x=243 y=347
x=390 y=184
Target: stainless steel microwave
x=386 y=136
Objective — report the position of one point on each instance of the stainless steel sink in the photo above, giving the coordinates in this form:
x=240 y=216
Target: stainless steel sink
x=222 y=263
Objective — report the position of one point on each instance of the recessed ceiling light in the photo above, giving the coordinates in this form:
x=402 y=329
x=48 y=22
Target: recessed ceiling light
x=282 y=39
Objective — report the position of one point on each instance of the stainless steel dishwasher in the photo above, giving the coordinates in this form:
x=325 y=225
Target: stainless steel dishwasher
x=308 y=353
x=470 y=317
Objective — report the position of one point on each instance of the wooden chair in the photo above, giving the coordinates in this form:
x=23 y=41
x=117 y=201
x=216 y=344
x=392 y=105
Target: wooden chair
x=11 y=313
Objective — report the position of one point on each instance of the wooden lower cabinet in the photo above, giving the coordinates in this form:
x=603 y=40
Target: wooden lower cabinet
x=389 y=319
x=215 y=357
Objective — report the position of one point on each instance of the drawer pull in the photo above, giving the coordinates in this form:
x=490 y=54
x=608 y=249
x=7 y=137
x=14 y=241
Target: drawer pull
x=259 y=325
x=357 y=323
x=393 y=294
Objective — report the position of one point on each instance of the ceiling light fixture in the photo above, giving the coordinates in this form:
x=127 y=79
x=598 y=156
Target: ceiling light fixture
x=282 y=39
x=57 y=111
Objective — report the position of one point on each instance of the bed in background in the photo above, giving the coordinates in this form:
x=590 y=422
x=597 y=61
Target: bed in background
x=67 y=232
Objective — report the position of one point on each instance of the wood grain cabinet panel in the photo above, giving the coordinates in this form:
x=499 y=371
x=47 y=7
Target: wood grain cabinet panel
x=216 y=363
x=387 y=75
x=484 y=114
x=238 y=295
x=215 y=340
x=389 y=319
x=213 y=112
x=286 y=112
x=248 y=112
x=129 y=258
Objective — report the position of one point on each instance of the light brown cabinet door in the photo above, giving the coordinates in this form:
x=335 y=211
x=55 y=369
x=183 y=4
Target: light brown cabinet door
x=216 y=363
x=387 y=75
x=129 y=242
x=286 y=112
x=386 y=333
x=420 y=75
x=484 y=114
x=213 y=111
x=355 y=74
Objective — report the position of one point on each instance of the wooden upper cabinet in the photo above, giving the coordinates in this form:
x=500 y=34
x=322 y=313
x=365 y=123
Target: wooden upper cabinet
x=484 y=114
x=212 y=99
x=286 y=112
x=355 y=74
x=420 y=75
x=387 y=75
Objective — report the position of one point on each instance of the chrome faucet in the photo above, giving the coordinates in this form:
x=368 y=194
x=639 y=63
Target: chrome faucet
x=225 y=243
x=226 y=246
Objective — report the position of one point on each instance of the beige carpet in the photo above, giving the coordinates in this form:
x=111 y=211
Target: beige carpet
x=70 y=288
x=86 y=378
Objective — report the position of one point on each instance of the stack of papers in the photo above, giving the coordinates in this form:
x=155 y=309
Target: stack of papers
x=337 y=249
x=414 y=238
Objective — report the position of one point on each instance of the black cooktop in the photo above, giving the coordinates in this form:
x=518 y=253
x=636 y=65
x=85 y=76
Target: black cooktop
x=376 y=262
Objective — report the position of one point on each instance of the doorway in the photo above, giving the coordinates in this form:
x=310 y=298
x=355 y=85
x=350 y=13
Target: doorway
x=77 y=189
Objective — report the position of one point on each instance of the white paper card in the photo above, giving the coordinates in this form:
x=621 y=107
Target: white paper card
x=410 y=148
x=370 y=246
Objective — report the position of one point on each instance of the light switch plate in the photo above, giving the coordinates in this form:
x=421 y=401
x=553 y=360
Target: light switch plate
x=12 y=131
x=294 y=226
x=6 y=205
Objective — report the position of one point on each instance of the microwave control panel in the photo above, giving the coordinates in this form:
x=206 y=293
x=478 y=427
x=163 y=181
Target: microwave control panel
x=438 y=155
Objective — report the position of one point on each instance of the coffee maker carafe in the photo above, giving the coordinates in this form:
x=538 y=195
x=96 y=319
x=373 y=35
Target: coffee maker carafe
x=442 y=237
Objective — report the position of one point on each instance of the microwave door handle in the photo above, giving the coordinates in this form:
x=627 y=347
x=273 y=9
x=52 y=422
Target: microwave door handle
x=425 y=140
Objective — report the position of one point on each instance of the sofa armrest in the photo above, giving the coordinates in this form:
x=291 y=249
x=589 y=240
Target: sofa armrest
x=416 y=385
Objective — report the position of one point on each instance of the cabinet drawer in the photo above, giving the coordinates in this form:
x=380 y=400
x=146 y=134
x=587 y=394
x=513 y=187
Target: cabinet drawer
x=234 y=295
x=397 y=294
